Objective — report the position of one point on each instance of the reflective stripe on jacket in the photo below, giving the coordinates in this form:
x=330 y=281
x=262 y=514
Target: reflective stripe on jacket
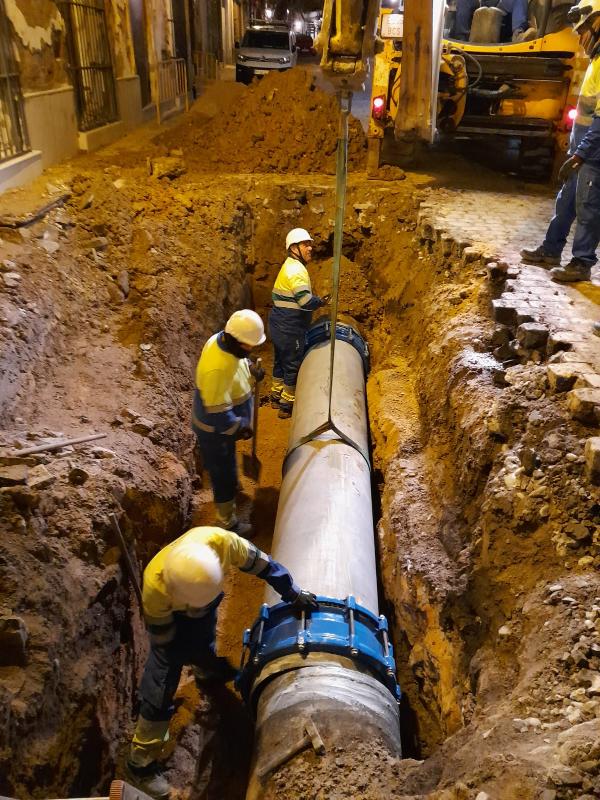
x=223 y=397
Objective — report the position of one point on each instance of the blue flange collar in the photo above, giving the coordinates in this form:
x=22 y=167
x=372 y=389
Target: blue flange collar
x=320 y=331
x=338 y=626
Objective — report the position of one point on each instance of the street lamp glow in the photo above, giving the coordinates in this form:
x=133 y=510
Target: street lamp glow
x=268 y=13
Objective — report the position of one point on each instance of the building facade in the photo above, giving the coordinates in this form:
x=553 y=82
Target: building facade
x=77 y=74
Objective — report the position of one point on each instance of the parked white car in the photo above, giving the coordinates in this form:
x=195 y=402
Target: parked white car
x=265 y=47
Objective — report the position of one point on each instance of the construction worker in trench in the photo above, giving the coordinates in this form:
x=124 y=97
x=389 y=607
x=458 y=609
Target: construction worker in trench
x=223 y=405
x=293 y=304
x=182 y=589
x=579 y=196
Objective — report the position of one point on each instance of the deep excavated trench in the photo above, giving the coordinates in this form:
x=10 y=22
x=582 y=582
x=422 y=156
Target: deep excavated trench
x=455 y=564
x=381 y=288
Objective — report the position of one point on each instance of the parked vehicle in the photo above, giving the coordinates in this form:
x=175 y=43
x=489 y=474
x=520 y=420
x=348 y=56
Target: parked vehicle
x=265 y=47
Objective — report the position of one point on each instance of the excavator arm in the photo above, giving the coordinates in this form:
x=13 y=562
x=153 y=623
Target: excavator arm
x=347 y=40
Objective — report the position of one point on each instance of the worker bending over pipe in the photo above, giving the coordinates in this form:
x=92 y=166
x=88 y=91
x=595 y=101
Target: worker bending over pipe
x=183 y=587
x=223 y=405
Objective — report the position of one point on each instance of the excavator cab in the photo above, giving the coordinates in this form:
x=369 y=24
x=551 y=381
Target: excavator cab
x=491 y=86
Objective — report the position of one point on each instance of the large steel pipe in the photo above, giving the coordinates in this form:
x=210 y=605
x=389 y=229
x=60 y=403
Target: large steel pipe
x=335 y=665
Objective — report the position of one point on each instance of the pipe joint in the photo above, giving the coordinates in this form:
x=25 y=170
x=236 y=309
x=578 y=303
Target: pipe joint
x=320 y=332
x=339 y=627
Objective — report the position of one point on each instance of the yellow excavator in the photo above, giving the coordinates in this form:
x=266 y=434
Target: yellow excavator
x=428 y=85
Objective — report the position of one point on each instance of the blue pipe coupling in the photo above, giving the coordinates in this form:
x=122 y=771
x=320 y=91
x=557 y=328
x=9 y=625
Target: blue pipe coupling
x=320 y=331
x=340 y=627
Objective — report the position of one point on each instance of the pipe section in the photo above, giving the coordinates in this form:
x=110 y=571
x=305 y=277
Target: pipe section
x=336 y=664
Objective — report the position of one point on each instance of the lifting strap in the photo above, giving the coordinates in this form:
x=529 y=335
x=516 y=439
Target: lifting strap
x=341 y=174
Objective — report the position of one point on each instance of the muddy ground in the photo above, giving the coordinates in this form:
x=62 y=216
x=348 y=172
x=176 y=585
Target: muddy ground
x=488 y=531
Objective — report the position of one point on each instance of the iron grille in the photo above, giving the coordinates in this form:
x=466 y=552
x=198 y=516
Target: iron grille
x=90 y=62
x=13 y=130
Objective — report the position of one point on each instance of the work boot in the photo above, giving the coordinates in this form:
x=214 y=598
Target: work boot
x=520 y=35
x=275 y=401
x=219 y=672
x=575 y=270
x=540 y=257
x=285 y=411
x=596 y=328
x=149 y=779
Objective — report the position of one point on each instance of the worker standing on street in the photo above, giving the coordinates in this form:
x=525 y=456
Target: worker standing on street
x=223 y=405
x=293 y=304
x=579 y=196
x=183 y=586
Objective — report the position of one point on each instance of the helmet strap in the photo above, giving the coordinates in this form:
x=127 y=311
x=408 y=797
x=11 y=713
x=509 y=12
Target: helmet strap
x=297 y=255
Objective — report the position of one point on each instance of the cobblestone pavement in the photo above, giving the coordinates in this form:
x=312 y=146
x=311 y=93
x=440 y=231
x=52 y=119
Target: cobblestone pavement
x=495 y=225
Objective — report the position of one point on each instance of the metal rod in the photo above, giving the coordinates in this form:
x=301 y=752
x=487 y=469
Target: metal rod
x=46 y=448
x=128 y=562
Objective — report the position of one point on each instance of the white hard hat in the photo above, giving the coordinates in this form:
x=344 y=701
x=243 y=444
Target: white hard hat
x=581 y=12
x=192 y=574
x=296 y=236
x=247 y=327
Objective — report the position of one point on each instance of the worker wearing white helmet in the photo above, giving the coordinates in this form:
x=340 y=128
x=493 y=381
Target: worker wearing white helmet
x=183 y=586
x=222 y=410
x=293 y=304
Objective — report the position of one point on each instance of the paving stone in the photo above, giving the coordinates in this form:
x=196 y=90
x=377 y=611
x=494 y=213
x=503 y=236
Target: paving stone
x=584 y=405
x=592 y=459
x=590 y=380
x=532 y=335
x=559 y=340
x=562 y=377
x=504 y=311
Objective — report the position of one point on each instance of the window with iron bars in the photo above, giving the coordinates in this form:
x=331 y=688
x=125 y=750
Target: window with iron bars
x=13 y=130
x=90 y=62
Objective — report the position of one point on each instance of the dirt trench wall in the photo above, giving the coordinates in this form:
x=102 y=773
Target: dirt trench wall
x=484 y=495
x=113 y=301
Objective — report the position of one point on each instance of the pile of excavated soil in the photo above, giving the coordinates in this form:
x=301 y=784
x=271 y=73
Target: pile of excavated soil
x=281 y=124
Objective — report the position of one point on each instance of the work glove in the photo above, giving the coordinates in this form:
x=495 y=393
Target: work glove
x=257 y=372
x=326 y=299
x=244 y=432
x=305 y=601
x=570 y=167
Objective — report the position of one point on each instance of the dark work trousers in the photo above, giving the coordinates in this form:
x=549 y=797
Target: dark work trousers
x=218 y=456
x=194 y=644
x=518 y=9
x=289 y=352
x=587 y=229
x=564 y=216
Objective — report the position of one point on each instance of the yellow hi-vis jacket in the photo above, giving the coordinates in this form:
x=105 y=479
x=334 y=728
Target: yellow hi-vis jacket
x=232 y=550
x=223 y=397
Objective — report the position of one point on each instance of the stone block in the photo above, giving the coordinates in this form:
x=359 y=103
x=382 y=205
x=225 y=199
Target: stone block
x=561 y=340
x=584 y=405
x=524 y=315
x=588 y=380
x=504 y=311
x=13 y=475
x=592 y=459
x=562 y=377
x=13 y=641
x=40 y=478
x=532 y=335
